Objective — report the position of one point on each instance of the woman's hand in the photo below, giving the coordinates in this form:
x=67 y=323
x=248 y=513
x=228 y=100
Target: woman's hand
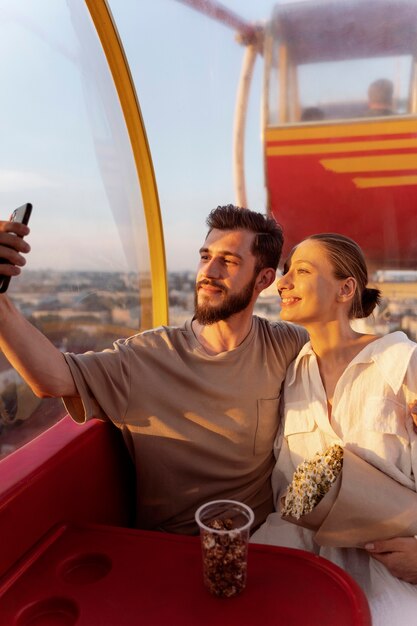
x=398 y=555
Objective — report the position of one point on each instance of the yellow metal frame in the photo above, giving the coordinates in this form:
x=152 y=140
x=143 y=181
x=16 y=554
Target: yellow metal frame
x=113 y=49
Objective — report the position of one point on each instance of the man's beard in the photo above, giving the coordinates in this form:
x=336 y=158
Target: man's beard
x=207 y=314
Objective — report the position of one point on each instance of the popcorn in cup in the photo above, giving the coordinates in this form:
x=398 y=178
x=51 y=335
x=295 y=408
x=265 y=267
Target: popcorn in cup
x=224 y=531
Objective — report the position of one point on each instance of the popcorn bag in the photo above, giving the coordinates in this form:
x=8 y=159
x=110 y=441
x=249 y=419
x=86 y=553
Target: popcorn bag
x=361 y=504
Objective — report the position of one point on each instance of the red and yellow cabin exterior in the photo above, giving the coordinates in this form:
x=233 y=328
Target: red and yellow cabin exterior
x=358 y=178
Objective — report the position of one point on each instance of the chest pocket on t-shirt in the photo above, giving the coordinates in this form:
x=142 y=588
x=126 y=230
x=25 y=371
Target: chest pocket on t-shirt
x=266 y=426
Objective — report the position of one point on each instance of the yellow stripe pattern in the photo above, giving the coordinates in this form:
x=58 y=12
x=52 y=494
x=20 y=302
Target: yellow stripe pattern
x=385 y=181
x=349 y=146
x=372 y=163
x=352 y=164
x=395 y=126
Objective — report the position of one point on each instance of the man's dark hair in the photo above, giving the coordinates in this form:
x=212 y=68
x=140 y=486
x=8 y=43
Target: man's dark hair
x=268 y=240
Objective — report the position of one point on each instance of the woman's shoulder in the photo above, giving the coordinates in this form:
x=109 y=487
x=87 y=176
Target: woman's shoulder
x=392 y=355
x=397 y=340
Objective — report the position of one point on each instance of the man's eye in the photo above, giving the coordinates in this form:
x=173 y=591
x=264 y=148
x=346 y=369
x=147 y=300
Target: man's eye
x=302 y=270
x=230 y=262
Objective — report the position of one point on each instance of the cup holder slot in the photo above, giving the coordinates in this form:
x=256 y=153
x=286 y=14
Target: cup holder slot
x=85 y=569
x=54 y=611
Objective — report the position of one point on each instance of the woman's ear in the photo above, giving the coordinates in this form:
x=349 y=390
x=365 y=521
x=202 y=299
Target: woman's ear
x=347 y=289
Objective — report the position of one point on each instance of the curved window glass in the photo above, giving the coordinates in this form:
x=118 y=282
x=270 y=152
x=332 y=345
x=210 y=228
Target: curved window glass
x=66 y=149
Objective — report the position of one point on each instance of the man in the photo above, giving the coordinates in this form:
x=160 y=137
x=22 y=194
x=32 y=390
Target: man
x=381 y=97
x=198 y=404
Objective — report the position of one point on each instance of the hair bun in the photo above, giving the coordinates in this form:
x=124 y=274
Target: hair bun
x=370 y=299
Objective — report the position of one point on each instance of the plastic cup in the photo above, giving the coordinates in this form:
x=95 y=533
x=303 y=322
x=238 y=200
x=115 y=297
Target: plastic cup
x=224 y=531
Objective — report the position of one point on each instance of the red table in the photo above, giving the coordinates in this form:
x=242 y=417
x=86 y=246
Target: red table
x=105 y=576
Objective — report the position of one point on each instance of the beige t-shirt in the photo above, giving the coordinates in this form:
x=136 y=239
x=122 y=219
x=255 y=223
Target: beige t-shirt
x=199 y=427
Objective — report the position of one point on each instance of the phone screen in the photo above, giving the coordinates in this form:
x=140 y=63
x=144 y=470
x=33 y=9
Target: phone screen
x=22 y=215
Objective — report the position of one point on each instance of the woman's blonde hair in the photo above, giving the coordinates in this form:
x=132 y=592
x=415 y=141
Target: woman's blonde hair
x=348 y=260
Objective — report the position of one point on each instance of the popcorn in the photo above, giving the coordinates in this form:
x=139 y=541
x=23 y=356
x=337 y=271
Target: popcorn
x=224 y=556
x=311 y=481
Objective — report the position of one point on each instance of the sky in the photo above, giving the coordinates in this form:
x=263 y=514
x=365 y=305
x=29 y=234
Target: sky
x=64 y=141
x=185 y=67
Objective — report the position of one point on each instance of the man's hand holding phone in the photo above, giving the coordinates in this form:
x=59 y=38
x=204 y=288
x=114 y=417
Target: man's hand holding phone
x=12 y=244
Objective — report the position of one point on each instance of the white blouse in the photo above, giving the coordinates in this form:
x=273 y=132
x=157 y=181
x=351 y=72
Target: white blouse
x=369 y=416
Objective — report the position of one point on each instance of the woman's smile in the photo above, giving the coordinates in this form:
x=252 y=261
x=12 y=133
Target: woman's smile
x=289 y=300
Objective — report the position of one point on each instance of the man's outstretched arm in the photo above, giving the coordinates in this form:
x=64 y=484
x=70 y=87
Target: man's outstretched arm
x=36 y=359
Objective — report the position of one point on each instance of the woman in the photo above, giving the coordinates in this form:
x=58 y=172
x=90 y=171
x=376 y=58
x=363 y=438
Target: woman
x=344 y=388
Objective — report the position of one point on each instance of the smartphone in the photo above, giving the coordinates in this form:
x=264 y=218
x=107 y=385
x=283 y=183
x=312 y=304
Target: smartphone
x=22 y=215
